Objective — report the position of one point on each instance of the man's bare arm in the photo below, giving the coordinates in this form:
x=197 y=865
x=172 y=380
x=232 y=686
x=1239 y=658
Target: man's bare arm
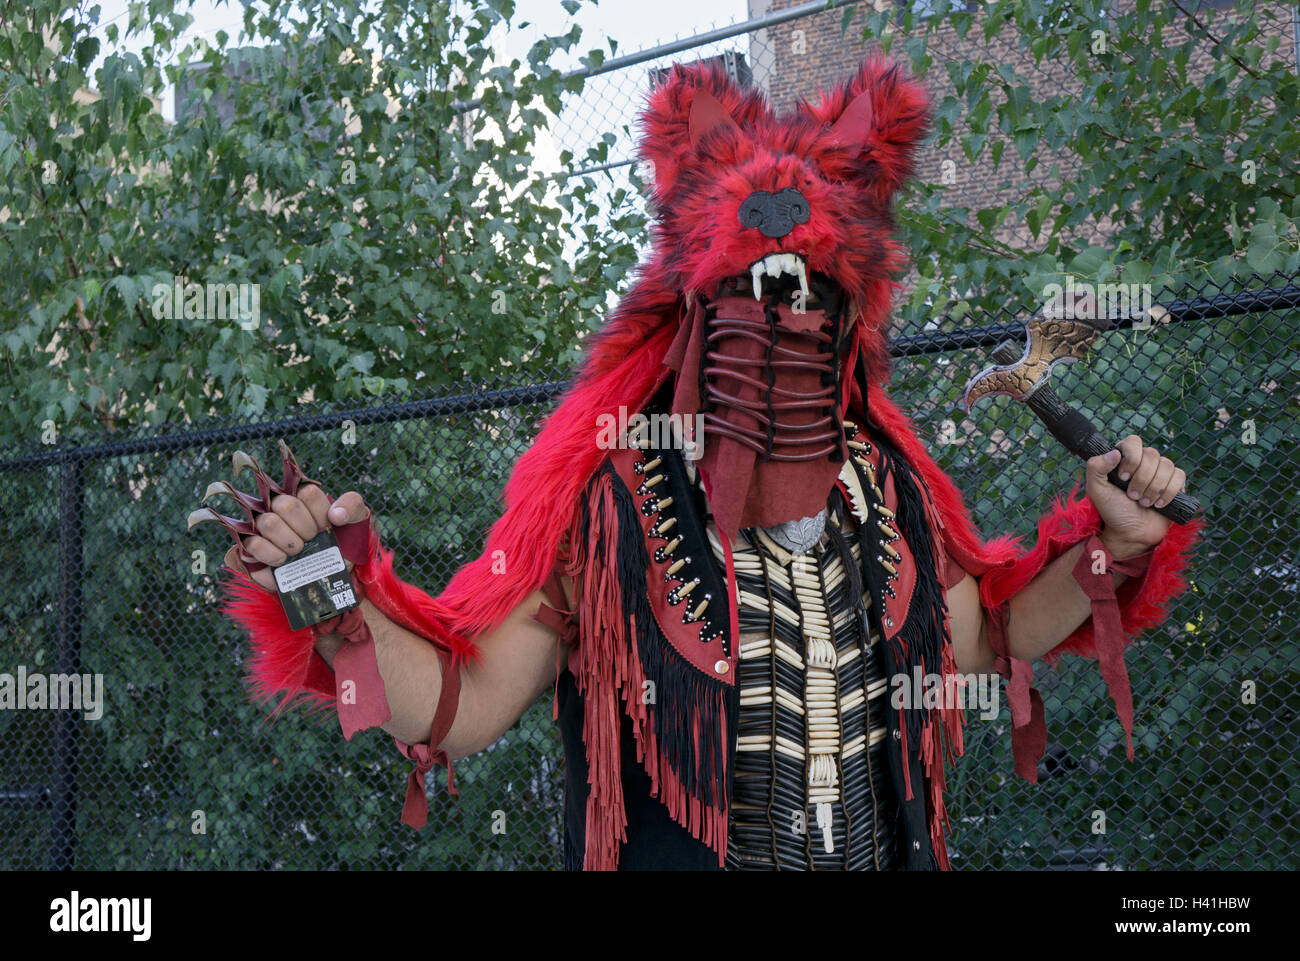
x=1049 y=609
x=517 y=660
x=1041 y=616
x=516 y=664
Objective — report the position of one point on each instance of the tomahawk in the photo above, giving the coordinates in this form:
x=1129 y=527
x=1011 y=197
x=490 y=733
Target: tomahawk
x=1050 y=341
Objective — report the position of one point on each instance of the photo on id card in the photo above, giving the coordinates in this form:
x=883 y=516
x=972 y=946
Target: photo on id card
x=315 y=585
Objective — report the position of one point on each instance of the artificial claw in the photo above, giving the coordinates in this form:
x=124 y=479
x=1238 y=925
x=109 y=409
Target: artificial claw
x=252 y=505
x=235 y=528
x=203 y=515
x=216 y=487
x=241 y=462
x=293 y=473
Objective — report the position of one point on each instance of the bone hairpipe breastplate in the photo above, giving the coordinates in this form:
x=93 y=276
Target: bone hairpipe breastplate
x=811 y=786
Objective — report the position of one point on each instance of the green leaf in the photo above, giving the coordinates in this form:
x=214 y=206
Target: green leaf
x=86 y=50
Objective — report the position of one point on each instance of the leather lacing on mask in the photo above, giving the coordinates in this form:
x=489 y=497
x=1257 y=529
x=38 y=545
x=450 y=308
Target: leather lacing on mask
x=785 y=351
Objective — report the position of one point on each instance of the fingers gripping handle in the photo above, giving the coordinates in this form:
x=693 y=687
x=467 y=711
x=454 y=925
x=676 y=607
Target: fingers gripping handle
x=1080 y=436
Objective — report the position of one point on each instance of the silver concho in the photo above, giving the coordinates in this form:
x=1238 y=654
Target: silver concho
x=800 y=535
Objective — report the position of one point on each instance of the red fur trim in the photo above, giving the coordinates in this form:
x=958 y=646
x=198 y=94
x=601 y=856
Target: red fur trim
x=1143 y=601
x=413 y=609
x=544 y=492
x=1063 y=525
x=283 y=661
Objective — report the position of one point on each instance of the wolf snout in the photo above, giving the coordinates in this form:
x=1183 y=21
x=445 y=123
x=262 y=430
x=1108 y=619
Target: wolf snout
x=774 y=214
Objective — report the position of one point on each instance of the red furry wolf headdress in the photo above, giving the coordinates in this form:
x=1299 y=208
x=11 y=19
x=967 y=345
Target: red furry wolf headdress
x=712 y=146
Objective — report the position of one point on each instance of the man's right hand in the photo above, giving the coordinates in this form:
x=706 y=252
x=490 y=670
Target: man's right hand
x=516 y=661
x=292 y=522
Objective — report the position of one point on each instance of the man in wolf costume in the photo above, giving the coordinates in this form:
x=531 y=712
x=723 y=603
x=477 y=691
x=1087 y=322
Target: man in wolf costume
x=754 y=626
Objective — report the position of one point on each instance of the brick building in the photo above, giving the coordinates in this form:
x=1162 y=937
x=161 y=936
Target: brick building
x=797 y=58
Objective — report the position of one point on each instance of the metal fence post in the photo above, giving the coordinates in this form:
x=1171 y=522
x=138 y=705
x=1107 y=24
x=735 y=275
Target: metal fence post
x=63 y=793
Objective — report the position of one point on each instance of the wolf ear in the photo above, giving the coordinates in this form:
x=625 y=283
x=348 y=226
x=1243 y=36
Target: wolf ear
x=690 y=104
x=707 y=114
x=879 y=116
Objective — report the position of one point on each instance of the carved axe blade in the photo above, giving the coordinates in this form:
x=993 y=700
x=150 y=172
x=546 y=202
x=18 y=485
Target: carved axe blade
x=1048 y=342
x=1079 y=435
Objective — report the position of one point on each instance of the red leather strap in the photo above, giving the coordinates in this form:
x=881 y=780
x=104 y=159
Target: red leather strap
x=1095 y=576
x=1028 y=716
x=555 y=613
x=360 y=697
x=415 y=810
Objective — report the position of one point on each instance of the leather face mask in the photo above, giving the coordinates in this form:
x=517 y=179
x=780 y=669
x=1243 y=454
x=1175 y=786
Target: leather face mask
x=766 y=373
x=772 y=367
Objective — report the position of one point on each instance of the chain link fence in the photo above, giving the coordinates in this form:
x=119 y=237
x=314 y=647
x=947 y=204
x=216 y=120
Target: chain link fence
x=168 y=765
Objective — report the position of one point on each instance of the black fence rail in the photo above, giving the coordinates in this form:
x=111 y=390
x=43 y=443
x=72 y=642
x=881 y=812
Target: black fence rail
x=164 y=762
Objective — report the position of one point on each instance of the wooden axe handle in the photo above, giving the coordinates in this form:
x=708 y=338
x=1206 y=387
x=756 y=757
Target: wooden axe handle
x=1081 y=437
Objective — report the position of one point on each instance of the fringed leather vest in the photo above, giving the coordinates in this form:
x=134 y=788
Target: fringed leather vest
x=756 y=729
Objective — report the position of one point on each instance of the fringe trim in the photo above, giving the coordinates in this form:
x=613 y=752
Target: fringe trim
x=683 y=737
x=923 y=641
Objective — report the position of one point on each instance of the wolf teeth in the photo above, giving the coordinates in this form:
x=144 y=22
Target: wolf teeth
x=775 y=265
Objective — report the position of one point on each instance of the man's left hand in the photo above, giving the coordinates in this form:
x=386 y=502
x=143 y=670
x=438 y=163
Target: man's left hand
x=1132 y=525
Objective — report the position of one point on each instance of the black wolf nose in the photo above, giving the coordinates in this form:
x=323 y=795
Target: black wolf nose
x=774 y=215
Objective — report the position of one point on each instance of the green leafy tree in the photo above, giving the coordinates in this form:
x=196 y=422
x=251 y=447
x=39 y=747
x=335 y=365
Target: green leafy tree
x=1172 y=146
x=370 y=169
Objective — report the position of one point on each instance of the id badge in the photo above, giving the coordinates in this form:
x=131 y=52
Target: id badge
x=315 y=585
